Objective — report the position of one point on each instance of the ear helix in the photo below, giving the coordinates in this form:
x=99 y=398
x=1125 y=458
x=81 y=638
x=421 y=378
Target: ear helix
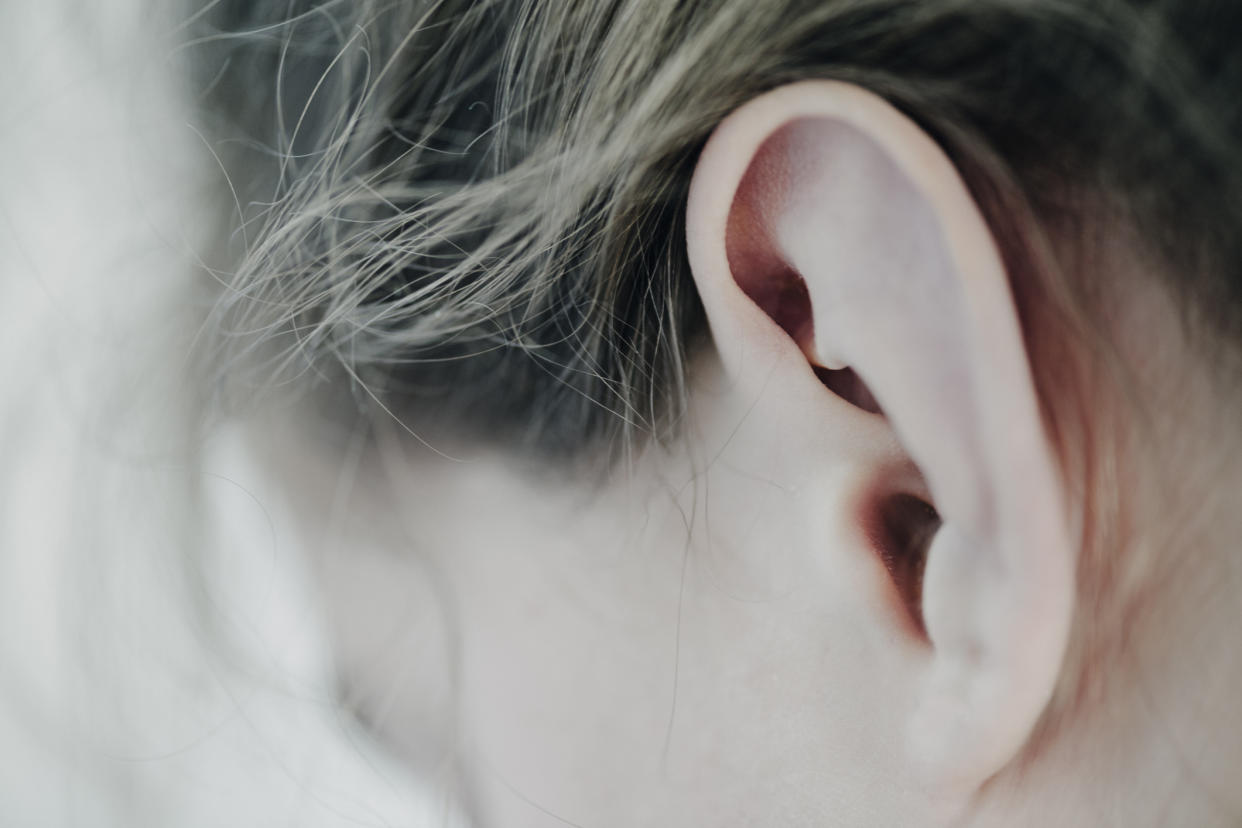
x=821 y=205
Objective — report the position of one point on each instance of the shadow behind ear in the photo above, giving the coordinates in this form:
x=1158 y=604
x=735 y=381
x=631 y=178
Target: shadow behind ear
x=826 y=186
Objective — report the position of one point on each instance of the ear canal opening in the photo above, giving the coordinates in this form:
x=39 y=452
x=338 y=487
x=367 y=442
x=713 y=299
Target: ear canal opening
x=901 y=526
x=785 y=299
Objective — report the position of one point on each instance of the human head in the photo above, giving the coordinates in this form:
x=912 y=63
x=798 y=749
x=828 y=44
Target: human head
x=484 y=237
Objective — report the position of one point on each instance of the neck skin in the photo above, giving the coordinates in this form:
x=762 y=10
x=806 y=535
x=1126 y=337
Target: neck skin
x=1154 y=741
x=1151 y=737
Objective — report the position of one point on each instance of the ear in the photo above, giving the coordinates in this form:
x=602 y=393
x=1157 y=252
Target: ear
x=826 y=226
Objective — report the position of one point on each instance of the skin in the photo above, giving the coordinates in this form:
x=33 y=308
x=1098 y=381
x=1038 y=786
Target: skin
x=613 y=668
x=646 y=616
x=706 y=636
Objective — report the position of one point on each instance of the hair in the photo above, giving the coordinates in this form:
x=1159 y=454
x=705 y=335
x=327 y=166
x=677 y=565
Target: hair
x=477 y=208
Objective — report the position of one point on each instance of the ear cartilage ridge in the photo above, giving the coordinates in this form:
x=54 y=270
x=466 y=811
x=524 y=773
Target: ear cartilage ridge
x=847 y=385
x=830 y=363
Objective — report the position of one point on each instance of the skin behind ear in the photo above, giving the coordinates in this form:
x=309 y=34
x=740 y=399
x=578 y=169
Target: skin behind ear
x=826 y=230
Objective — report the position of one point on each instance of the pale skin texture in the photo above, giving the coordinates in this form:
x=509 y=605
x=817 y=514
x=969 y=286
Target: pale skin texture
x=708 y=636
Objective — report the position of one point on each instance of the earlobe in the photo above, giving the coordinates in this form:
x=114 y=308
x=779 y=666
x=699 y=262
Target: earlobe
x=823 y=221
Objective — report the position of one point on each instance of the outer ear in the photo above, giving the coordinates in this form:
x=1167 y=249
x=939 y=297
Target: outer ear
x=828 y=184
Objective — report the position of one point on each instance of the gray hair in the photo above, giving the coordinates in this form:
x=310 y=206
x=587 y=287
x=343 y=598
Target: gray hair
x=473 y=211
